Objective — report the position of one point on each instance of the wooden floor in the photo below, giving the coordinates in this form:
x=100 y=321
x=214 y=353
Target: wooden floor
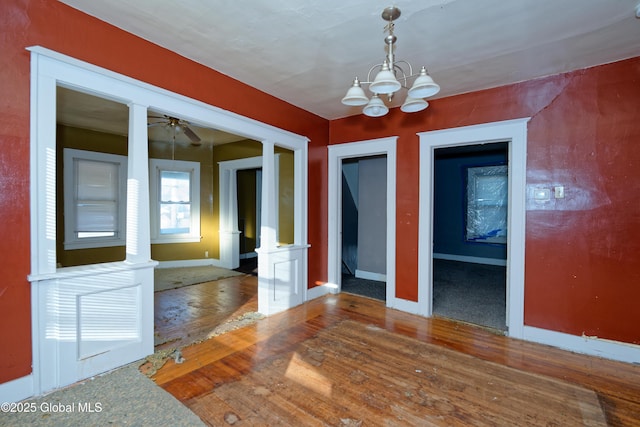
x=230 y=357
x=189 y=314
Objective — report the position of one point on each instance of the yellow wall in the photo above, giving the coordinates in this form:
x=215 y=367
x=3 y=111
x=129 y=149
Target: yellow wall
x=286 y=196
x=208 y=245
x=82 y=139
x=208 y=156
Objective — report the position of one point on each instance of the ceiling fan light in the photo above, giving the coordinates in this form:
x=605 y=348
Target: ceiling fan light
x=355 y=95
x=375 y=107
x=385 y=81
x=424 y=86
x=412 y=105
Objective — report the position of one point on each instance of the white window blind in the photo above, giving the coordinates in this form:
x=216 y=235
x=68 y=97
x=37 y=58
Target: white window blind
x=94 y=199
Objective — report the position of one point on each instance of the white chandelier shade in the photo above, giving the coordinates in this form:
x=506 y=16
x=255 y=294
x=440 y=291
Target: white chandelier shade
x=412 y=105
x=385 y=81
x=392 y=76
x=375 y=107
x=355 y=95
x=424 y=86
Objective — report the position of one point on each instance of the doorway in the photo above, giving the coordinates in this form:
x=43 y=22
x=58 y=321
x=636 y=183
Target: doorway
x=249 y=212
x=470 y=205
x=364 y=233
x=379 y=151
x=514 y=133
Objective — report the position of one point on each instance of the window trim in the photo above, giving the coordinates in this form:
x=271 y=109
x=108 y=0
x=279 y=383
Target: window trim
x=156 y=166
x=71 y=240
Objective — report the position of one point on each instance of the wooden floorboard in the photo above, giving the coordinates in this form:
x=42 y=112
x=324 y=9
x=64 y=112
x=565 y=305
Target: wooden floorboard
x=232 y=356
x=190 y=313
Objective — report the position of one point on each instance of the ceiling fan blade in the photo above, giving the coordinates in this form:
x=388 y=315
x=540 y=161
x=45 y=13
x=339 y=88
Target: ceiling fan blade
x=195 y=139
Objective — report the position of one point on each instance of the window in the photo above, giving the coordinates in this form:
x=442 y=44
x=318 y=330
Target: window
x=487 y=203
x=175 y=201
x=94 y=199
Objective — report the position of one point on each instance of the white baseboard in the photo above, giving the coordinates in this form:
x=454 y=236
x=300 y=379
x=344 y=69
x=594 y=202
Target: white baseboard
x=472 y=259
x=592 y=346
x=17 y=390
x=322 y=290
x=407 y=306
x=361 y=274
x=189 y=263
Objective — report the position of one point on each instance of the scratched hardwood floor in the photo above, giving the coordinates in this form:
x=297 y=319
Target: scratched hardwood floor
x=234 y=356
x=189 y=314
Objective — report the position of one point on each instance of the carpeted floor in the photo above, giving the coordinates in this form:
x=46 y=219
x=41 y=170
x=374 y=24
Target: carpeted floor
x=474 y=293
x=124 y=397
x=363 y=287
x=172 y=278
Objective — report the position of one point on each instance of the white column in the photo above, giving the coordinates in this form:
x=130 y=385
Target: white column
x=281 y=270
x=266 y=280
x=269 y=219
x=232 y=214
x=232 y=258
x=138 y=228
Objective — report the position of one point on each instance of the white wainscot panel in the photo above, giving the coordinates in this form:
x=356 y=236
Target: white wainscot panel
x=281 y=279
x=91 y=320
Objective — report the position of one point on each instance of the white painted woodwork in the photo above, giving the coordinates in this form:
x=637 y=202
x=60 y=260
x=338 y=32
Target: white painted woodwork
x=90 y=319
x=228 y=197
x=515 y=133
x=337 y=153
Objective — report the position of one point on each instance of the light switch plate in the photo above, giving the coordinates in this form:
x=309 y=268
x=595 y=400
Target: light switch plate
x=542 y=194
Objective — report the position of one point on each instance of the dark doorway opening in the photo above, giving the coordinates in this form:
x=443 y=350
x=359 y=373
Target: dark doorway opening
x=364 y=226
x=469 y=267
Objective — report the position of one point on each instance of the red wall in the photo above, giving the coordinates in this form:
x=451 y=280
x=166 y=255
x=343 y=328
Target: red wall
x=582 y=257
x=58 y=27
x=584 y=132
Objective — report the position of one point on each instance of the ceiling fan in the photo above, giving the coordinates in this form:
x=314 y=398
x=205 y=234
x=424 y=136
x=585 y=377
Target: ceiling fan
x=177 y=125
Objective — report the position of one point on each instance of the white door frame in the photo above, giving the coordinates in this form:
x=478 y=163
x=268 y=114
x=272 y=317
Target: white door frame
x=59 y=360
x=337 y=153
x=228 y=198
x=515 y=133
x=228 y=201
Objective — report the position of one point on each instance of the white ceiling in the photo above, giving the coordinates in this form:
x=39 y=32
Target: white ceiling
x=307 y=53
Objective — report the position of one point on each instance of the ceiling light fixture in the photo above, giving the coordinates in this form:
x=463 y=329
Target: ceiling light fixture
x=391 y=77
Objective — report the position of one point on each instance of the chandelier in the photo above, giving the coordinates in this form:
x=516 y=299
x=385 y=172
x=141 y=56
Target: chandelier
x=392 y=76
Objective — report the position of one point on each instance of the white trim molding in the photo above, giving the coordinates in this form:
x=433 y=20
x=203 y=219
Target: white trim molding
x=228 y=201
x=59 y=360
x=337 y=153
x=370 y=275
x=321 y=290
x=514 y=132
x=17 y=390
x=471 y=259
x=202 y=262
x=592 y=346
